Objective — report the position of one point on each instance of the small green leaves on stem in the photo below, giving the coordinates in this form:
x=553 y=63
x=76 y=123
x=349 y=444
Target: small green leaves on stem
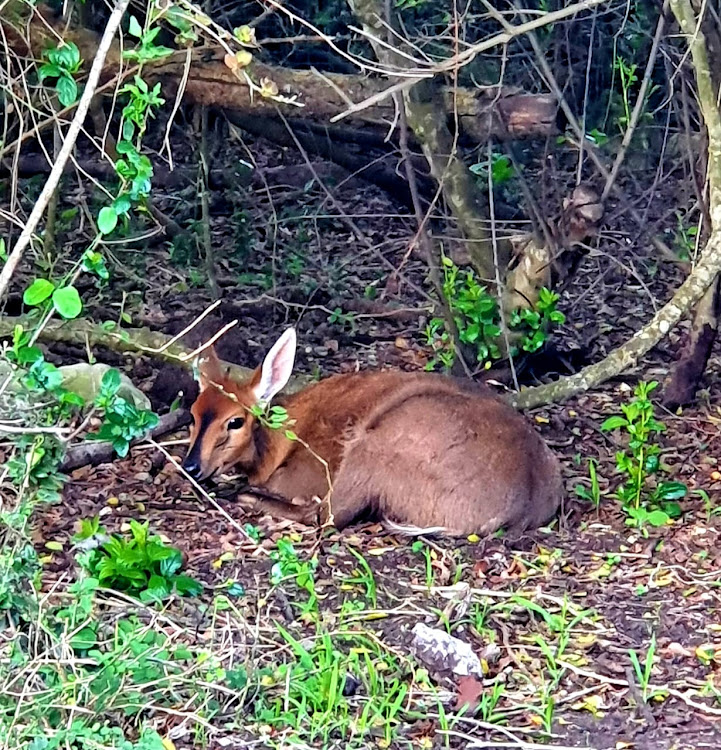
x=645 y=500
x=93 y=262
x=502 y=170
x=288 y=565
x=123 y=421
x=478 y=320
x=134 y=169
x=62 y=63
x=147 y=50
x=65 y=299
x=140 y=104
x=273 y=418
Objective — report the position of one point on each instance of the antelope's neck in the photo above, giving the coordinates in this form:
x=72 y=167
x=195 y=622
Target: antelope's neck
x=272 y=450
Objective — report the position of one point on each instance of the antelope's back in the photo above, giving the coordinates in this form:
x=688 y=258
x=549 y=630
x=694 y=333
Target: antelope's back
x=435 y=454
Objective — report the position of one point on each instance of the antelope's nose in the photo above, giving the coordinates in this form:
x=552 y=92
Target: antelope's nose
x=192 y=467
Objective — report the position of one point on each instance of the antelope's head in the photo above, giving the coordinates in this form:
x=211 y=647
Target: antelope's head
x=223 y=433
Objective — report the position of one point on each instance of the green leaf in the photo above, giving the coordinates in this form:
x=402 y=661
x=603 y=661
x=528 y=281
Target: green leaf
x=672 y=509
x=66 y=301
x=49 y=70
x=121 y=205
x=128 y=130
x=235 y=589
x=66 y=55
x=671 y=491
x=28 y=355
x=73 y=55
x=158 y=589
x=652 y=464
x=172 y=563
x=134 y=27
x=93 y=262
x=613 y=423
x=107 y=220
x=84 y=639
x=67 y=90
x=185 y=585
x=38 y=292
x=126 y=147
x=657 y=518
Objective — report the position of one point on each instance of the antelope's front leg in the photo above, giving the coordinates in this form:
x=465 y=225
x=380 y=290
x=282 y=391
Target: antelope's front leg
x=298 y=509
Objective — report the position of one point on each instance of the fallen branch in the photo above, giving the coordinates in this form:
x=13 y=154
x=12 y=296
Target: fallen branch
x=143 y=341
x=483 y=112
x=101 y=452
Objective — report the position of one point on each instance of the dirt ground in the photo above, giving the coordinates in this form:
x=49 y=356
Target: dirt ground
x=600 y=589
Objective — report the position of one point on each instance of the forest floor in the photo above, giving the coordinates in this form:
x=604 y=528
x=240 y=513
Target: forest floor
x=592 y=633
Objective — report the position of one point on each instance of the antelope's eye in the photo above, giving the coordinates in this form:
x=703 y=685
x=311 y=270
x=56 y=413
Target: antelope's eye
x=236 y=423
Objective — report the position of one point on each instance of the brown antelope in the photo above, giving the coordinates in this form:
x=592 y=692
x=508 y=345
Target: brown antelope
x=418 y=449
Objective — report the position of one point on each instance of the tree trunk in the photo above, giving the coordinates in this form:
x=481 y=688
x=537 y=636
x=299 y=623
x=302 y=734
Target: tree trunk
x=688 y=372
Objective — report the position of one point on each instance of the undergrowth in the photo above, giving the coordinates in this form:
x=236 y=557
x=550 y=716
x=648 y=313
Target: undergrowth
x=646 y=497
x=478 y=321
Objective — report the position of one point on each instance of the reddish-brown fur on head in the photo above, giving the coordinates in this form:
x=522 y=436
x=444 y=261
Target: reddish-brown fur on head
x=223 y=433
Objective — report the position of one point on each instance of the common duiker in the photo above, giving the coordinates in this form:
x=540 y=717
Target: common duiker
x=418 y=449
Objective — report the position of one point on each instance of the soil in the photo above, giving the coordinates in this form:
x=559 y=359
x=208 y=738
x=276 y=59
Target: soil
x=283 y=256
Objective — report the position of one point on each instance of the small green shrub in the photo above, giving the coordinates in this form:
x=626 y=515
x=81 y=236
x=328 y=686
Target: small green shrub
x=141 y=564
x=644 y=500
x=478 y=320
x=123 y=421
x=287 y=565
x=62 y=64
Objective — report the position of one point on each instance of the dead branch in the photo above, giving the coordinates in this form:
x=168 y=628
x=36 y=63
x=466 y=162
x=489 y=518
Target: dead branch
x=138 y=341
x=483 y=112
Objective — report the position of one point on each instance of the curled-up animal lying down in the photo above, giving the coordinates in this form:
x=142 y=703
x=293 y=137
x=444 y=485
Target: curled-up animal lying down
x=421 y=450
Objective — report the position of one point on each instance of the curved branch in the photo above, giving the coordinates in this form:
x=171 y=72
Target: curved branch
x=628 y=354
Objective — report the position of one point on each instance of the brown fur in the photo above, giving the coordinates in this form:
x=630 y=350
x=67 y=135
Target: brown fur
x=415 y=448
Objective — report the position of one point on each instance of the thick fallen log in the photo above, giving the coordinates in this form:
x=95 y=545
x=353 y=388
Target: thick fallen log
x=501 y=112
x=484 y=112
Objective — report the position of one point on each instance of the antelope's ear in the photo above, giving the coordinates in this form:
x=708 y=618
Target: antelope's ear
x=208 y=369
x=276 y=369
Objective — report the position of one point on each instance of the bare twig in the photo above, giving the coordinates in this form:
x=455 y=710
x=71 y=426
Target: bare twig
x=67 y=147
x=639 y=106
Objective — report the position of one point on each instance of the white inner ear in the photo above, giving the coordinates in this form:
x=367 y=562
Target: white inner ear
x=277 y=367
x=198 y=366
